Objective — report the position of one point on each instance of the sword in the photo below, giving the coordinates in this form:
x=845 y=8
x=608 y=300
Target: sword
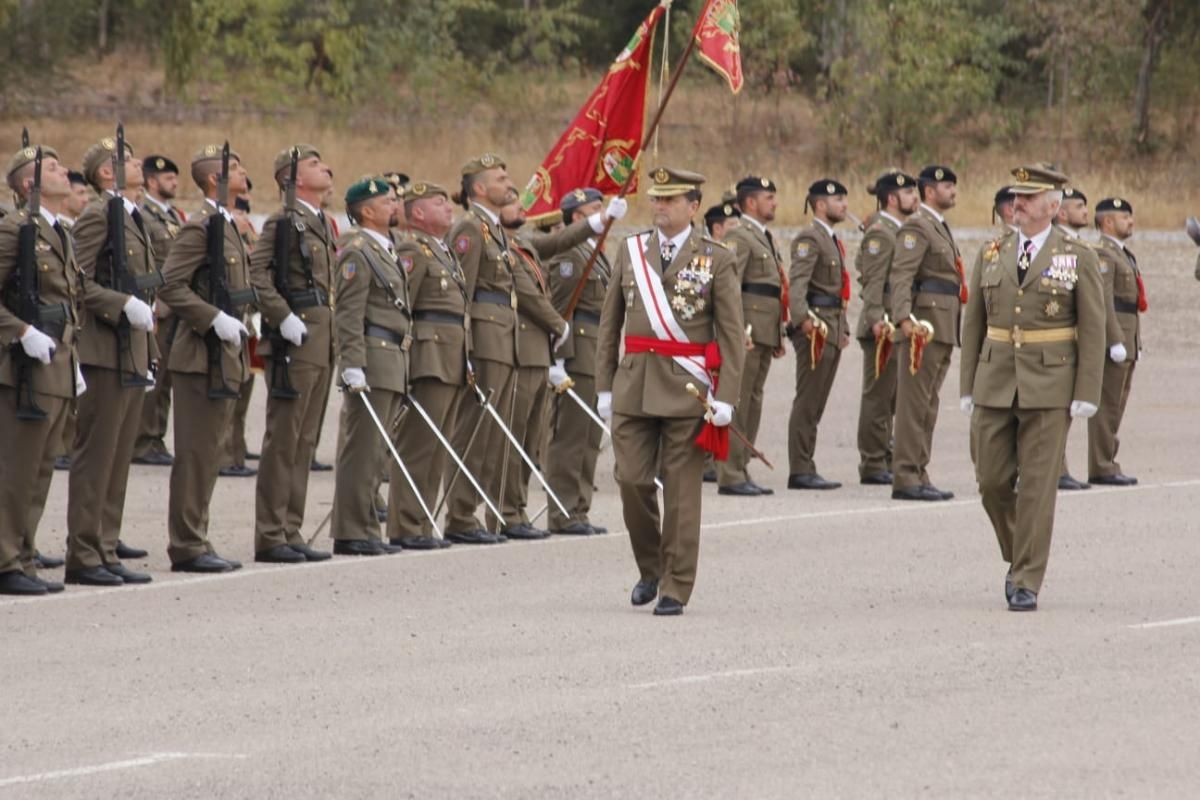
x=320 y=527
x=520 y=450
x=403 y=469
x=694 y=392
x=565 y=388
x=457 y=461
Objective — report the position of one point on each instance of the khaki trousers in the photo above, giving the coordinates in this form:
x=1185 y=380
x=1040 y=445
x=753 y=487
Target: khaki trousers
x=747 y=415
x=808 y=404
x=528 y=425
x=424 y=455
x=666 y=546
x=108 y=422
x=287 y=454
x=156 y=407
x=487 y=453
x=234 y=447
x=361 y=456
x=876 y=409
x=572 y=452
x=1103 y=442
x=199 y=426
x=25 y=480
x=917 y=411
x=1024 y=444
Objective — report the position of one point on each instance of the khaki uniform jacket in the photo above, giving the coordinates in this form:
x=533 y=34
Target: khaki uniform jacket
x=103 y=306
x=1043 y=375
x=564 y=273
x=538 y=321
x=874 y=266
x=185 y=291
x=1122 y=275
x=318 y=236
x=59 y=281
x=436 y=285
x=926 y=251
x=817 y=270
x=650 y=385
x=363 y=299
x=162 y=230
x=1112 y=329
x=758 y=262
x=482 y=250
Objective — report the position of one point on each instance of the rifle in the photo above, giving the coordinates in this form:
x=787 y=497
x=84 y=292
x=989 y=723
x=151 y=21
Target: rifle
x=119 y=278
x=219 y=294
x=27 y=301
x=280 y=381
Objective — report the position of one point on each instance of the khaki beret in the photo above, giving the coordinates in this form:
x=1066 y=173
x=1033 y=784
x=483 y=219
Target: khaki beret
x=98 y=155
x=26 y=155
x=484 y=162
x=418 y=190
x=284 y=159
x=669 y=182
x=211 y=152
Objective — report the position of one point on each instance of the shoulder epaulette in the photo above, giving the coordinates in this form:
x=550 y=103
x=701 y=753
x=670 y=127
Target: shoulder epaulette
x=711 y=240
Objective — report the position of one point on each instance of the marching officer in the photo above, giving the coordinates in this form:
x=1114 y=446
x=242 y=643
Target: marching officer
x=117 y=353
x=766 y=313
x=438 y=360
x=819 y=290
x=896 y=195
x=163 y=221
x=1032 y=358
x=675 y=295
x=1114 y=218
x=39 y=374
x=373 y=335
x=296 y=298
x=928 y=285
x=207 y=359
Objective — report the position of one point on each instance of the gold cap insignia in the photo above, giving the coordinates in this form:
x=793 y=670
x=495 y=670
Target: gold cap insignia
x=830 y=188
x=159 y=163
x=1117 y=203
x=488 y=161
x=108 y=144
x=661 y=176
x=211 y=150
x=899 y=180
x=940 y=173
x=766 y=183
x=29 y=152
x=418 y=188
x=1022 y=174
x=580 y=195
x=373 y=189
x=728 y=210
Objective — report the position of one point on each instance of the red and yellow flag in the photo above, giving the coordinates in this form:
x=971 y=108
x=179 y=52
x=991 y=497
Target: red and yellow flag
x=717 y=39
x=601 y=145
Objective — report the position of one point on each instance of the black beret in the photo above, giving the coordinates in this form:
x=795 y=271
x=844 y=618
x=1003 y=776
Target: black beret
x=76 y=177
x=1003 y=195
x=1114 y=204
x=578 y=197
x=935 y=173
x=721 y=212
x=241 y=203
x=826 y=187
x=753 y=183
x=154 y=164
x=890 y=182
x=1074 y=194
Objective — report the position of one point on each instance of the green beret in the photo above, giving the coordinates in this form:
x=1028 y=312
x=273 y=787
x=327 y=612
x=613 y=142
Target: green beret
x=418 y=190
x=366 y=189
x=212 y=152
x=284 y=159
x=26 y=155
x=484 y=162
x=98 y=155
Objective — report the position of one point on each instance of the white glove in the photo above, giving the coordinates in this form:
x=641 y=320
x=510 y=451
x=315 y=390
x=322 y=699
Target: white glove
x=1117 y=353
x=561 y=339
x=293 y=329
x=720 y=414
x=355 y=379
x=1079 y=408
x=616 y=208
x=558 y=374
x=228 y=329
x=966 y=404
x=140 y=315
x=37 y=345
x=604 y=405
x=256 y=324
x=80 y=383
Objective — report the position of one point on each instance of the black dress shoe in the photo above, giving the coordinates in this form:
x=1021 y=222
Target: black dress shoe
x=205 y=562
x=420 y=543
x=1113 y=480
x=1068 y=484
x=762 y=489
x=525 y=531
x=237 y=471
x=233 y=563
x=93 y=576
x=318 y=466
x=21 y=584
x=926 y=493
x=644 y=592
x=280 y=554
x=52 y=587
x=1022 y=600
x=310 y=554
x=126 y=574
x=743 y=489
x=945 y=495
x=877 y=479
x=154 y=459
x=124 y=551
x=253 y=456
x=710 y=476
x=62 y=463
x=473 y=537
x=597 y=528
x=811 y=481
x=358 y=547
x=576 y=529
x=668 y=607
x=42 y=561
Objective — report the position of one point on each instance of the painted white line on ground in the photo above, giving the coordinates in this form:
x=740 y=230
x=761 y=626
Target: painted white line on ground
x=112 y=766
x=889 y=507
x=684 y=680
x=1166 y=623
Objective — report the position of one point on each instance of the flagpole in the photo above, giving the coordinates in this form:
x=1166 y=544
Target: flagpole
x=646 y=141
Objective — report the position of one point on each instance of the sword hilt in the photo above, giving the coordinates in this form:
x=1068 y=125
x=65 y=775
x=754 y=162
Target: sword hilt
x=562 y=388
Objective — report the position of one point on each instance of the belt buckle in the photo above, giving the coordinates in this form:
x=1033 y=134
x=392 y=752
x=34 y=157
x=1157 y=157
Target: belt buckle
x=1018 y=337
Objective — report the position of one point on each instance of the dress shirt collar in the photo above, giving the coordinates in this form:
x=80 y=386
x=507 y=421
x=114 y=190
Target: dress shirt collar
x=936 y=214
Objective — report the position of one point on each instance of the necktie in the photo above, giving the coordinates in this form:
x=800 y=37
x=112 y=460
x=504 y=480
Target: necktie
x=1024 y=260
x=137 y=220
x=174 y=215
x=845 y=292
x=62 y=234
x=668 y=254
